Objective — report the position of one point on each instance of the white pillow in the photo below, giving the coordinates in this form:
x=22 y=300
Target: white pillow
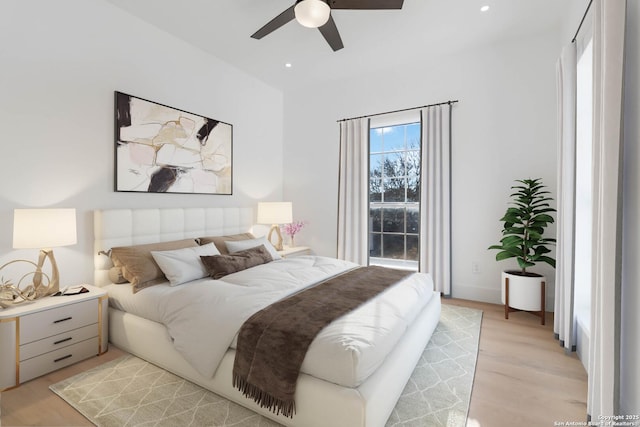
x=184 y=265
x=241 y=245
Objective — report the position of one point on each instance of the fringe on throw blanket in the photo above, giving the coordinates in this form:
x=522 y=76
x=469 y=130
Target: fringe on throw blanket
x=264 y=398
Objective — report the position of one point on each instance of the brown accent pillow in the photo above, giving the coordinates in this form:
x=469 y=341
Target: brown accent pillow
x=115 y=275
x=219 y=240
x=219 y=266
x=138 y=265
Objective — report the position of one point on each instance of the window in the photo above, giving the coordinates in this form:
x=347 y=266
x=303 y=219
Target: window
x=584 y=195
x=394 y=195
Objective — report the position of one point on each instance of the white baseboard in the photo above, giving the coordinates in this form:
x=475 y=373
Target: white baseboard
x=476 y=293
x=490 y=295
x=582 y=344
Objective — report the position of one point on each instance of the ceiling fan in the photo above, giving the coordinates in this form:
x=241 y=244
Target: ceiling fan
x=317 y=14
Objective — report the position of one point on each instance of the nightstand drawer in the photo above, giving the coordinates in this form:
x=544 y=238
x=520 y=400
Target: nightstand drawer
x=36 y=326
x=56 y=342
x=57 y=359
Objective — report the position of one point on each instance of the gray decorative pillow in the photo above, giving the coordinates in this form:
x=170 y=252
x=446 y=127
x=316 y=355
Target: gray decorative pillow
x=243 y=245
x=219 y=266
x=219 y=241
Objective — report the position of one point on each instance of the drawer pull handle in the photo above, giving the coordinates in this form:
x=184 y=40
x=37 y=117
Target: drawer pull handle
x=63 y=320
x=63 y=340
x=62 y=358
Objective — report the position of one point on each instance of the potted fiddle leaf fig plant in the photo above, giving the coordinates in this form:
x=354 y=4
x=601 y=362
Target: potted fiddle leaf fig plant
x=523 y=238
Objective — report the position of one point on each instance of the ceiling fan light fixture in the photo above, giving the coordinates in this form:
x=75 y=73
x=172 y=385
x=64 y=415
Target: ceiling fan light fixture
x=312 y=13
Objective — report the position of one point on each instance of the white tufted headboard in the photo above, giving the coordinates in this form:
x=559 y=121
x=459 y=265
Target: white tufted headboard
x=125 y=227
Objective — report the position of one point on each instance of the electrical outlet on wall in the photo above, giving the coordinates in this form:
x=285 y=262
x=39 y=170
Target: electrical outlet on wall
x=475 y=267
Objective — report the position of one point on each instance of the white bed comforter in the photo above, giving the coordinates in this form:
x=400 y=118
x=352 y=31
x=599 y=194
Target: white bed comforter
x=204 y=317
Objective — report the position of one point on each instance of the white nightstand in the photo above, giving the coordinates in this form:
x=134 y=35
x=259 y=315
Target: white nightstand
x=51 y=333
x=295 y=251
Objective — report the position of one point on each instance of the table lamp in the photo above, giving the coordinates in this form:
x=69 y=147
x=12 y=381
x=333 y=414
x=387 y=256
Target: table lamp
x=44 y=229
x=275 y=213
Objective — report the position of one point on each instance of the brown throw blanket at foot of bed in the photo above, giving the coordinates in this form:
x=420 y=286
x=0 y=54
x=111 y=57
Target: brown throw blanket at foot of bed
x=273 y=342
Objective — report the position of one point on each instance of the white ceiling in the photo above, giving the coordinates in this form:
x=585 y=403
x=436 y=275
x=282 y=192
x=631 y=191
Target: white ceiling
x=373 y=40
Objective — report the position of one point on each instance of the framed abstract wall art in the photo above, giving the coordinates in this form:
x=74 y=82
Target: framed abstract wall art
x=160 y=149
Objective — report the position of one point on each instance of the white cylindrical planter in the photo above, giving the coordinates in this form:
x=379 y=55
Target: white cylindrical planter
x=525 y=293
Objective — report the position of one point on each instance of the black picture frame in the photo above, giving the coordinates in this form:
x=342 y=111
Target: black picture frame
x=161 y=149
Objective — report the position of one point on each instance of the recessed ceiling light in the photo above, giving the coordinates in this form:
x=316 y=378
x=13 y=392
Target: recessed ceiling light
x=288 y=65
x=484 y=8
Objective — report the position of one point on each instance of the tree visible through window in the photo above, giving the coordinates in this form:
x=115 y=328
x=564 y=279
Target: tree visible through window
x=394 y=195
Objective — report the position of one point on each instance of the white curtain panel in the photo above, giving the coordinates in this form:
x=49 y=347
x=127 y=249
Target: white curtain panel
x=564 y=321
x=608 y=62
x=353 y=192
x=435 y=196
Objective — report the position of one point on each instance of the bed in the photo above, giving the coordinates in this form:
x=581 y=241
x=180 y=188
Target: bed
x=329 y=390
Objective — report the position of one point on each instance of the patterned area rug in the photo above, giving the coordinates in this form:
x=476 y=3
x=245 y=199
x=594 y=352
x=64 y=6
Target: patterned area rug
x=131 y=392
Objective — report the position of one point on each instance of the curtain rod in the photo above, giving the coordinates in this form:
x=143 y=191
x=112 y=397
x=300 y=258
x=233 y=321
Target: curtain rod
x=399 y=111
x=582 y=21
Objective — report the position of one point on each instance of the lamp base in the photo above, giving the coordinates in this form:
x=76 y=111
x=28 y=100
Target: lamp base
x=54 y=281
x=278 y=244
x=11 y=294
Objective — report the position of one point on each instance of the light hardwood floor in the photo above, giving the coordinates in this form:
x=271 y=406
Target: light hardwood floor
x=523 y=378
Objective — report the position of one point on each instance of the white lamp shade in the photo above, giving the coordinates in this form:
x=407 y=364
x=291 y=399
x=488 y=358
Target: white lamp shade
x=275 y=213
x=44 y=228
x=312 y=13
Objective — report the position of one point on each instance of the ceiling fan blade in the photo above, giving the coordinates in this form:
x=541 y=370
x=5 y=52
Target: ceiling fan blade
x=331 y=35
x=366 y=4
x=275 y=23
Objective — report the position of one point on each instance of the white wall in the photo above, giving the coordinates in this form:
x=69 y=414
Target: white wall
x=60 y=63
x=504 y=128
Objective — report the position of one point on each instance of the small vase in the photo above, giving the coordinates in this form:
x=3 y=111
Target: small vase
x=292 y=244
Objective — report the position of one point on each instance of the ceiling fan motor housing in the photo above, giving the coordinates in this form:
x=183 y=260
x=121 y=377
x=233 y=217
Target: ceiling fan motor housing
x=312 y=13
